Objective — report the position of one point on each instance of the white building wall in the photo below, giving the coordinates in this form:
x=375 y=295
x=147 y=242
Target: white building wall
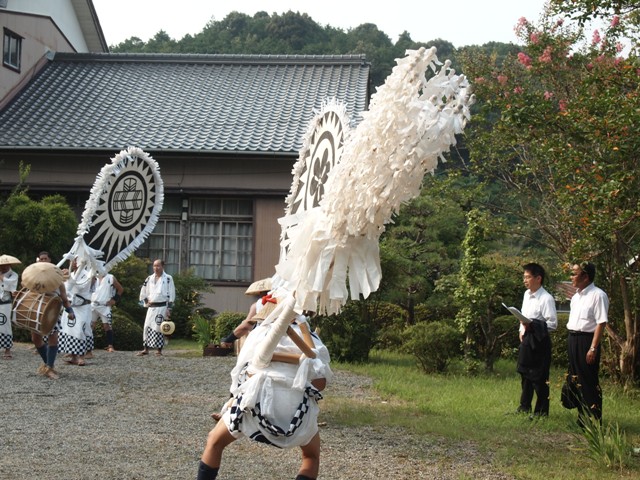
x=62 y=14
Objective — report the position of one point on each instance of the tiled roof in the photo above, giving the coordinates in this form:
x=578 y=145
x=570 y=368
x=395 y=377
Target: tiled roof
x=204 y=103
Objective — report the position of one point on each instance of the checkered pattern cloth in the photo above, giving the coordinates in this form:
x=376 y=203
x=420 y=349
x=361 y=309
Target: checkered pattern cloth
x=154 y=339
x=6 y=341
x=72 y=345
x=236 y=415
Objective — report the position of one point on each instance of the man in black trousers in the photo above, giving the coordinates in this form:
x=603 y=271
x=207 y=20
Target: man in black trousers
x=587 y=321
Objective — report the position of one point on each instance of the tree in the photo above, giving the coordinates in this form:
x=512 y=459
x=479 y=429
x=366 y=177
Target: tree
x=484 y=282
x=585 y=10
x=421 y=246
x=556 y=126
x=30 y=226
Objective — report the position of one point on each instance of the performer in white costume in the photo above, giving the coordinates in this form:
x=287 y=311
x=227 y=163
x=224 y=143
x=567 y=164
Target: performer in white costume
x=8 y=287
x=330 y=251
x=106 y=293
x=276 y=405
x=76 y=337
x=158 y=294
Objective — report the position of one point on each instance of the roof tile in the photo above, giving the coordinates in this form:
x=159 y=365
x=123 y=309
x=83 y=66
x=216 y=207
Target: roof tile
x=180 y=102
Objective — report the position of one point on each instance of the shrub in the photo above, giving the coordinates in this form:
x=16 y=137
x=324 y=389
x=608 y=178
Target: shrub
x=389 y=320
x=225 y=322
x=127 y=334
x=131 y=273
x=348 y=335
x=506 y=332
x=391 y=337
x=559 y=355
x=189 y=288
x=433 y=344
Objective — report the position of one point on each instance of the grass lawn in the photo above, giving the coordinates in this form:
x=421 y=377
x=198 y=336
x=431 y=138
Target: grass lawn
x=184 y=347
x=456 y=407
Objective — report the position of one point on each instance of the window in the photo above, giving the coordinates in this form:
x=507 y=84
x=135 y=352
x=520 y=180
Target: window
x=11 y=50
x=221 y=238
x=163 y=243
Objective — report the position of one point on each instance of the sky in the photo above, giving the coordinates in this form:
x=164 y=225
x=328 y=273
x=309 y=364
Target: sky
x=461 y=22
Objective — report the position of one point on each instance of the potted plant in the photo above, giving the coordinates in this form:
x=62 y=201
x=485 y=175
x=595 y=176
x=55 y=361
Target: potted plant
x=202 y=331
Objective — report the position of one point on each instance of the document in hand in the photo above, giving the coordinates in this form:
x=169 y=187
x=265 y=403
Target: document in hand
x=517 y=314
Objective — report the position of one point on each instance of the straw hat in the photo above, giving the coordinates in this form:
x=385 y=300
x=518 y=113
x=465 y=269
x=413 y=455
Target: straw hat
x=265 y=311
x=258 y=287
x=42 y=277
x=9 y=260
x=167 y=327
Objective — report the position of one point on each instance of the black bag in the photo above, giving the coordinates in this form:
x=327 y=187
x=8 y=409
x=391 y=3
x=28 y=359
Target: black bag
x=569 y=394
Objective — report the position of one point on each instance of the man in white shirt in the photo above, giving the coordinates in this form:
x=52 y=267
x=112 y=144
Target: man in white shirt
x=534 y=359
x=587 y=320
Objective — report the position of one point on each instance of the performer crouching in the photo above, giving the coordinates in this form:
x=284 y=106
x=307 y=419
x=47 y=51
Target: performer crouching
x=277 y=404
x=158 y=294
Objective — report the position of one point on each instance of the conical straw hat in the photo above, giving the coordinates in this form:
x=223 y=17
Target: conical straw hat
x=259 y=286
x=9 y=260
x=42 y=277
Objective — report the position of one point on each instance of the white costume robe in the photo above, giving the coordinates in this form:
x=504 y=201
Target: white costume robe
x=76 y=336
x=159 y=293
x=8 y=285
x=103 y=292
x=276 y=405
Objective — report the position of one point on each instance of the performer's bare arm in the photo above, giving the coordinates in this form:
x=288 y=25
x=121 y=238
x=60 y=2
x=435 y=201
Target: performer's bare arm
x=65 y=300
x=244 y=327
x=119 y=290
x=247 y=324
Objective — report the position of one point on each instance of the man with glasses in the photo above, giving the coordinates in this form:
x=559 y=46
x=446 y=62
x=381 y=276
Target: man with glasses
x=534 y=357
x=587 y=321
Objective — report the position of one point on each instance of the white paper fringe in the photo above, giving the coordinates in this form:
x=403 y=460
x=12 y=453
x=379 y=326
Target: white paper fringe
x=89 y=257
x=411 y=122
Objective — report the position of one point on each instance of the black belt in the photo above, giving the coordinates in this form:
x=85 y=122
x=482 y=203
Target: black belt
x=5 y=302
x=158 y=304
x=579 y=334
x=84 y=301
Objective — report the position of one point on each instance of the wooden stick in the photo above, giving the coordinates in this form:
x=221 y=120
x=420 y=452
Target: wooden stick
x=286 y=358
x=306 y=334
x=300 y=343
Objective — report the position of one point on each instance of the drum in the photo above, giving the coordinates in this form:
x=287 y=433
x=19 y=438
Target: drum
x=35 y=311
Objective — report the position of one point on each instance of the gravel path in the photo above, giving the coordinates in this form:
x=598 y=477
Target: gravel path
x=127 y=417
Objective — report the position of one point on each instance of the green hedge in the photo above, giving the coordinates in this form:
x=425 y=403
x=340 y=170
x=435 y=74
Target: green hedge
x=225 y=323
x=433 y=344
x=127 y=334
x=559 y=355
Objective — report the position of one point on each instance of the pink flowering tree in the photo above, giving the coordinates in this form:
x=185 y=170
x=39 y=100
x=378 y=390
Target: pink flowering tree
x=557 y=127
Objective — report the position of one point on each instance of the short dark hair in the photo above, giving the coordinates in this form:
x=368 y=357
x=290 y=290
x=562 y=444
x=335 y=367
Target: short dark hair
x=588 y=268
x=535 y=269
